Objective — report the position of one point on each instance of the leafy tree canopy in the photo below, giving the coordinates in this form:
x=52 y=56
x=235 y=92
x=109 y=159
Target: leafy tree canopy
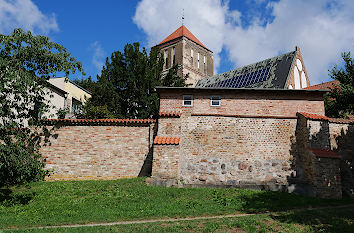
x=340 y=101
x=125 y=88
x=26 y=63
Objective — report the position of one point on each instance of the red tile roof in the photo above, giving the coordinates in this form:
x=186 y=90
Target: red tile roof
x=324 y=153
x=169 y=114
x=182 y=31
x=341 y=120
x=166 y=140
x=100 y=121
x=313 y=116
x=323 y=86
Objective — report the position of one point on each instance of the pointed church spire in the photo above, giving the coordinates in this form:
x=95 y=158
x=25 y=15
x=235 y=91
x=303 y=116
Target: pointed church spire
x=180 y=32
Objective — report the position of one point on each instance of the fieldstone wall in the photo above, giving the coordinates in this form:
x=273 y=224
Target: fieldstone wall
x=342 y=141
x=236 y=151
x=97 y=152
x=327 y=178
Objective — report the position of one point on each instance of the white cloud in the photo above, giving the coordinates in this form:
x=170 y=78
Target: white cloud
x=98 y=55
x=321 y=28
x=26 y=15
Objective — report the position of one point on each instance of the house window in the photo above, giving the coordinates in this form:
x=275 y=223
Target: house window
x=187 y=101
x=166 y=58
x=76 y=106
x=204 y=64
x=192 y=57
x=215 y=101
x=173 y=55
x=198 y=60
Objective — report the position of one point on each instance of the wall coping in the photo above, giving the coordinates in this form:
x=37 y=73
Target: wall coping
x=159 y=140
x=321 y=153
x=170 y=114
x=245 y=116
x=312 y=116
x=317 y=117
x=88 y=122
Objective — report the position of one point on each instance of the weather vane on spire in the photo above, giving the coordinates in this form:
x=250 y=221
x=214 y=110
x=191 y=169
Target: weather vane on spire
x=182 y=16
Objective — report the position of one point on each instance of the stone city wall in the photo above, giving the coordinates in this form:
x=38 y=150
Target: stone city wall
x=235 y=151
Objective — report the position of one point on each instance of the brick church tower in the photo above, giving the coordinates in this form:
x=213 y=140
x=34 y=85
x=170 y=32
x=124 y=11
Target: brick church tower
x=193 y=58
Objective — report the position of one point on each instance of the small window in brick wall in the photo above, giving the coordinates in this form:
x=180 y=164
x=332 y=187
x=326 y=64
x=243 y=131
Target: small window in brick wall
x=215 y=101
x=187 y=101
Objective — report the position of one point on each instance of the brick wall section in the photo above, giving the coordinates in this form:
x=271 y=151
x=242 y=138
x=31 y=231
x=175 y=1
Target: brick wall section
x=235 y=151
x=169 y=126
x=327 y=179
x=97 y=152
x=318 y=134
x=257 y=103
x=341 y=139
x=166 y=161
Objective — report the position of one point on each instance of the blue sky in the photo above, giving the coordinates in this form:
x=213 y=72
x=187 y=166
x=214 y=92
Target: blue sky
x=238 y=32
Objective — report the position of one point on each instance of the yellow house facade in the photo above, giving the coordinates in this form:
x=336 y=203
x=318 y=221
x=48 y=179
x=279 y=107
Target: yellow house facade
x=76 y=96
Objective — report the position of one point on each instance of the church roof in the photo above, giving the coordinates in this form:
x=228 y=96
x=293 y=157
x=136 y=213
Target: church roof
x=269 y=73
x=180 y=32
x=324 y=86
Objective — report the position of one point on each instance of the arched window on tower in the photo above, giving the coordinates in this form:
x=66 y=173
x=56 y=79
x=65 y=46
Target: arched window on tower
x=198 y=61
x=192 y=57
x=204 y=65
x=166 y=58
x=174 y=55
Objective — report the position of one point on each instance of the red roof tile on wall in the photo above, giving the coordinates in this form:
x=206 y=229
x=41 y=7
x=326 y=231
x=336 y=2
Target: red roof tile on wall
x=182 y=31
x=169 y=114
x=313 y=116
x=341 y=120
x=99 y=121
x=324 y=153
x=323 y=86
x=166 y=140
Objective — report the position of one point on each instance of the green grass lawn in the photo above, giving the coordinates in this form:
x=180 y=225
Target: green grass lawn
x=338 y=220
x=68 y=202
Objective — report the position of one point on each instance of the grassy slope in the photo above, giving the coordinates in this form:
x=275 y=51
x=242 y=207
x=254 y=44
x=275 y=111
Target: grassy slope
x=338 y=220
x=56 y=203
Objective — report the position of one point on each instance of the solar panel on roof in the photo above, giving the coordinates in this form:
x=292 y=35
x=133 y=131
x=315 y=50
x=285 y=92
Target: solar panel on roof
x=243 y=80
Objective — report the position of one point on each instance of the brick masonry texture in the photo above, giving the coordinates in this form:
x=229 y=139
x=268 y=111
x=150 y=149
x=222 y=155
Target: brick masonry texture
x=166 y=161
x=97 y=152
x=243 y=103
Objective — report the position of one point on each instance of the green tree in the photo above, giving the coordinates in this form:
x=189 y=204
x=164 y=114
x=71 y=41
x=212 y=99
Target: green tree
x=340 y=101
x=126 y=86
x=26 y=63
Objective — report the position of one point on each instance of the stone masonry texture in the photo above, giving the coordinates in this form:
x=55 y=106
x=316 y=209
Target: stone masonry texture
x=235 y=151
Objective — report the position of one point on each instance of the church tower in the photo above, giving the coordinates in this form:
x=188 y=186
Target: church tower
x=192 y=57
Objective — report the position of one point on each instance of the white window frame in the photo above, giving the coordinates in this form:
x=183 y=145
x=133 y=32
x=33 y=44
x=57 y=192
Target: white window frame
x=166 y=58
x=187 y=98
x=173 y=55
x=198 y=60
x=192 y=56
x=204 y=65
x=215 y=98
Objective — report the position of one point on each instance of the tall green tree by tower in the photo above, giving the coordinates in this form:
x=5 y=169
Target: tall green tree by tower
x=26 y=63
x=125 y=88
x=340 y=101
